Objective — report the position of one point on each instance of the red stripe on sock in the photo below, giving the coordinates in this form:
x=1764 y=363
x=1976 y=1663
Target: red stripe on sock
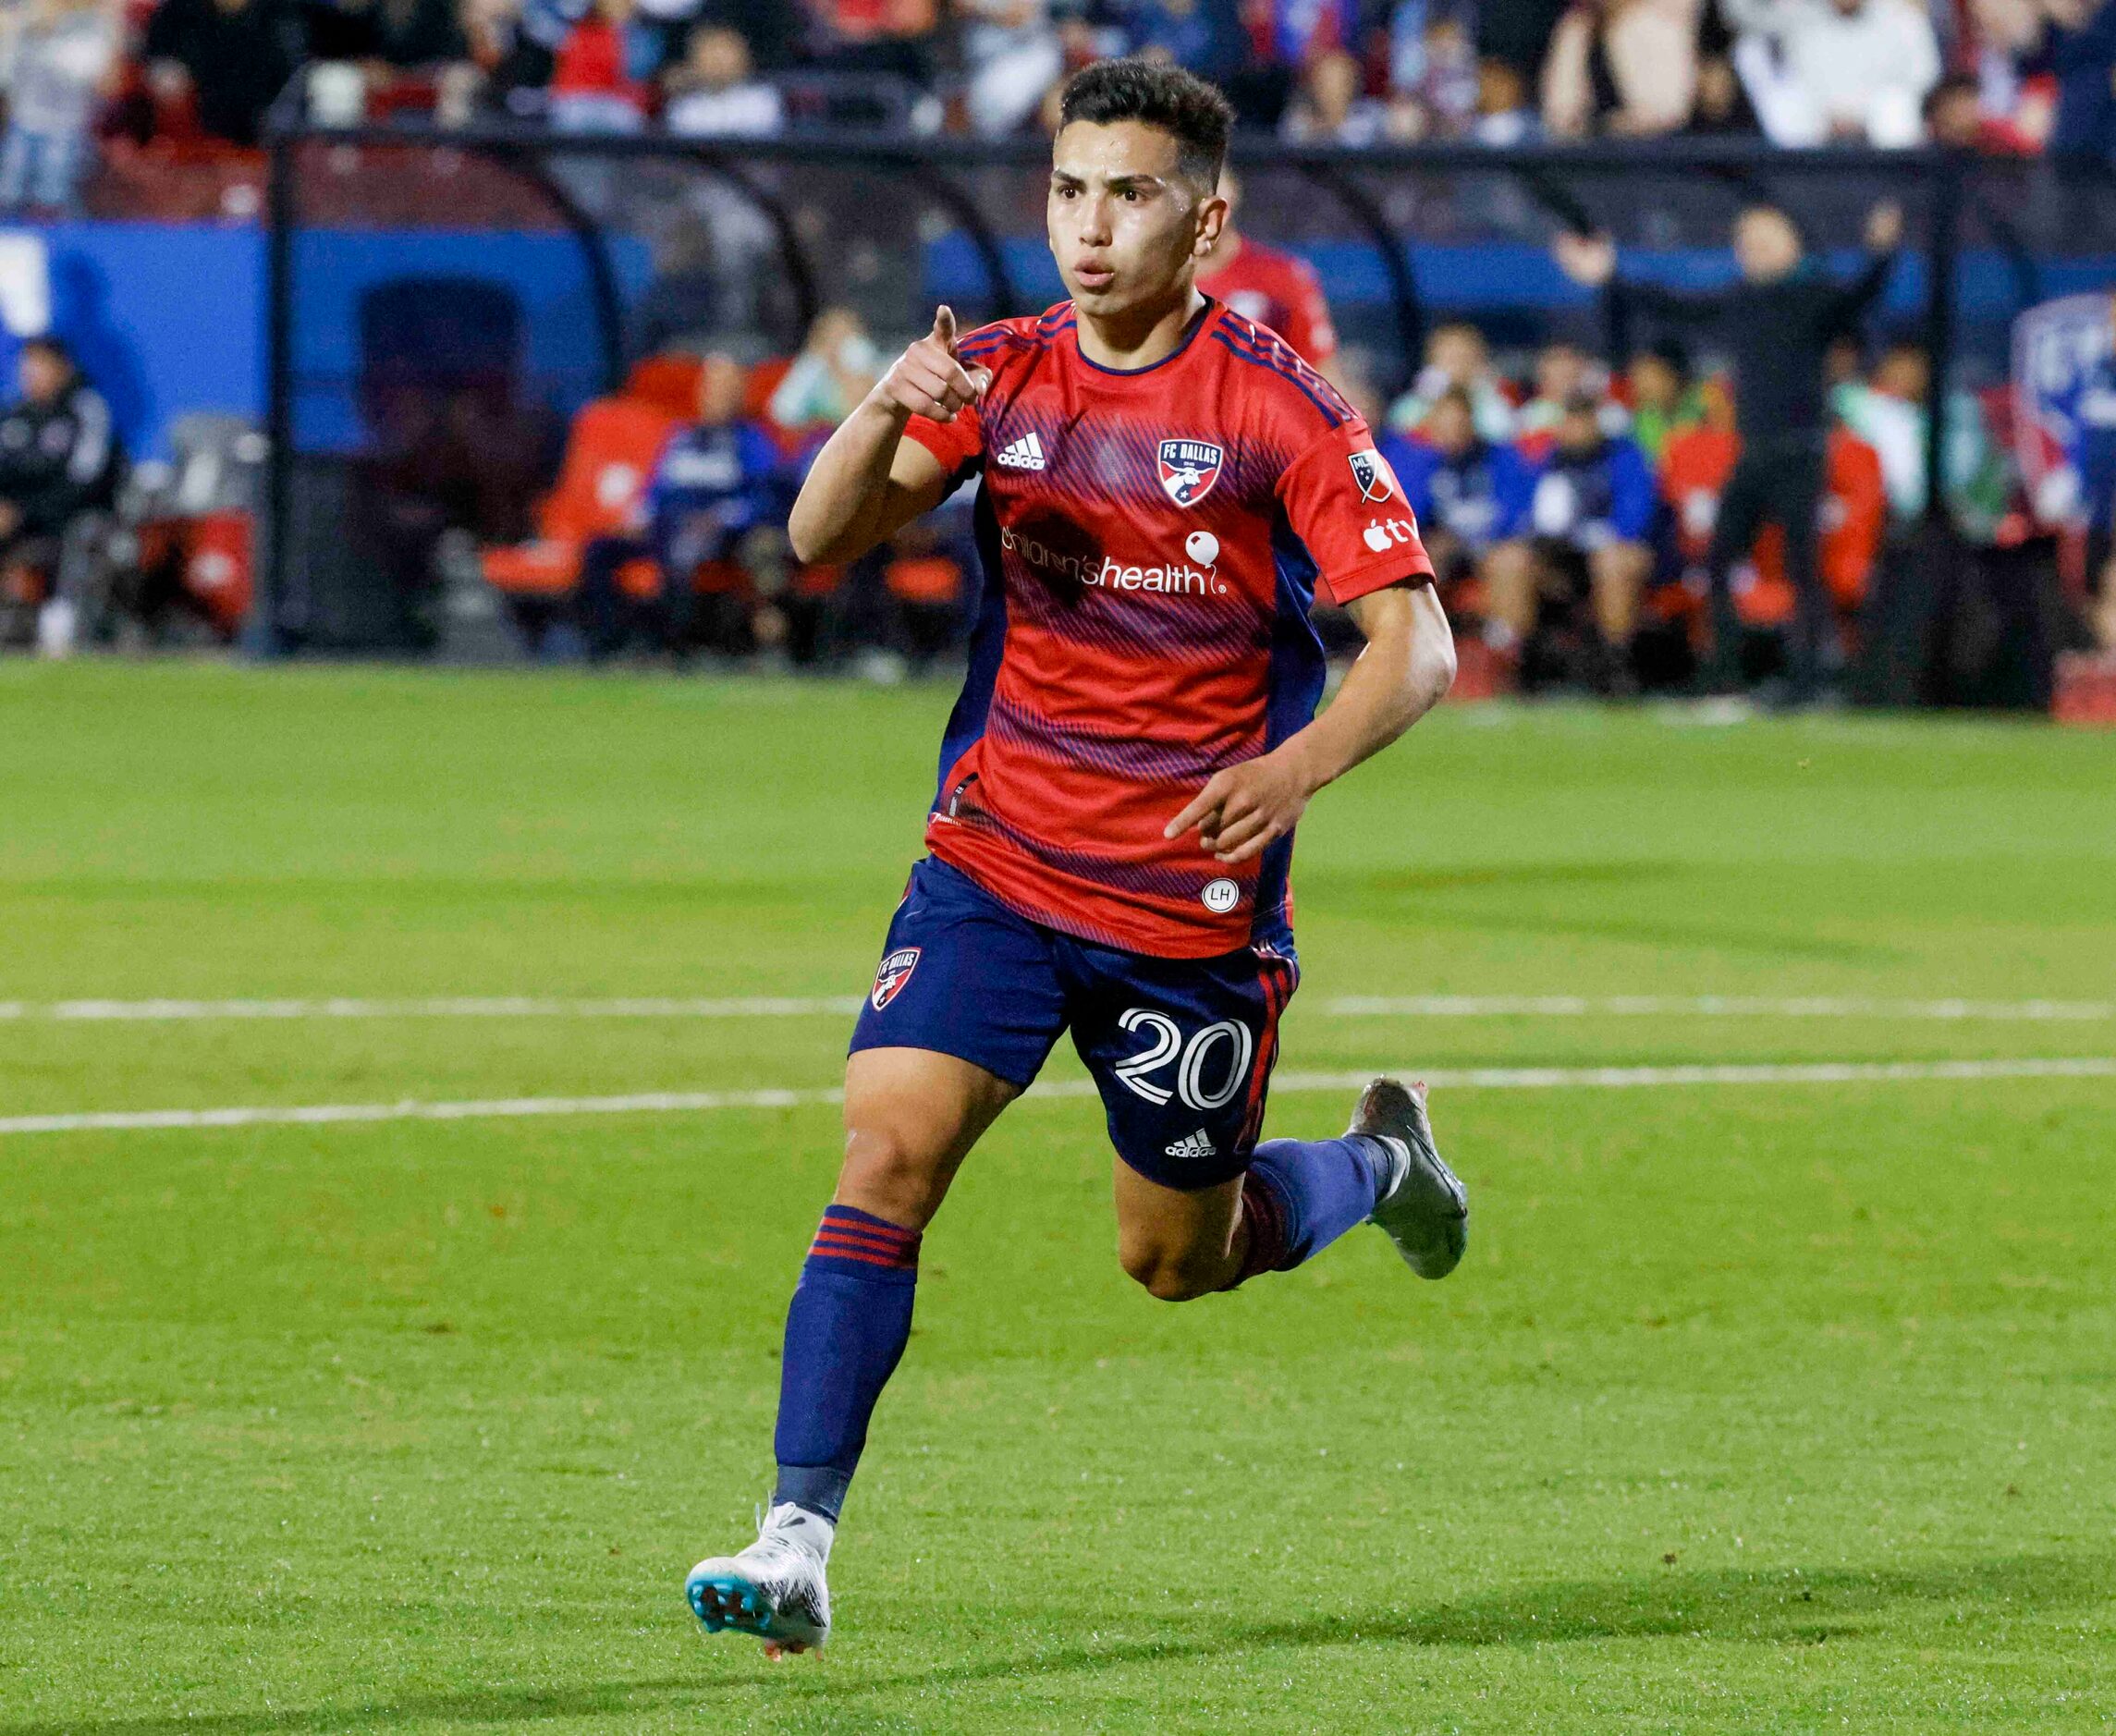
x=832 y=1220
x=826 y=1243
x=864 y=1259
x=889 y=1237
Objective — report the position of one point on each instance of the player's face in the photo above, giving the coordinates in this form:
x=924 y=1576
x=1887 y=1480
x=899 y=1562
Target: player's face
x=1127 y=228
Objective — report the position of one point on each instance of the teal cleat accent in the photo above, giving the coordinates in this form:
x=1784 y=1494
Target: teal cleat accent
x=773 y=1590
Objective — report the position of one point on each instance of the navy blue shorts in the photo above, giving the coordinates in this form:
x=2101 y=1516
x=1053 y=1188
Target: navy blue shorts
x=1181 y=1050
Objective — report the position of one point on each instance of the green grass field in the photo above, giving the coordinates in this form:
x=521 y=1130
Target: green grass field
x=1754 y=1407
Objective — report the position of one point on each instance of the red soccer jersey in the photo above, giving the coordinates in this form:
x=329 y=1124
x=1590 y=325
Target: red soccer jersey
x=1278 y=289
x=1150 y=543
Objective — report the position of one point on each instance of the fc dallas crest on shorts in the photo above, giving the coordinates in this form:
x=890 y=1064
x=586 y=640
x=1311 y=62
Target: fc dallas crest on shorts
x=1189 y=469
x=895 y=973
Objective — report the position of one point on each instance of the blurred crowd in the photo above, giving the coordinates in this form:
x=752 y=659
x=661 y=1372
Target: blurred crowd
x=1718 y=508
x=84 y=76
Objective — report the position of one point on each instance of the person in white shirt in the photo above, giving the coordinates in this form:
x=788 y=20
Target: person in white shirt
x=712 y=95
x=1819 y=71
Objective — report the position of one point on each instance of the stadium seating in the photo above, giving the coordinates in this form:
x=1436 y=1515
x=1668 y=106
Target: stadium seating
x=610 y=457
x=669 y=382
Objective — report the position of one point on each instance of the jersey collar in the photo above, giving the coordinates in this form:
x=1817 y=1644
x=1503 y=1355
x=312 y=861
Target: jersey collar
x=1199 y=320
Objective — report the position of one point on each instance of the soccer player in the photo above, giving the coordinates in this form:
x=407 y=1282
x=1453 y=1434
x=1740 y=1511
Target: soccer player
x=1107 y=848
x=1269 y=285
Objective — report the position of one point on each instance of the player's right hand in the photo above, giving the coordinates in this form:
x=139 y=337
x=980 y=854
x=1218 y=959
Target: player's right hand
x=928 y=379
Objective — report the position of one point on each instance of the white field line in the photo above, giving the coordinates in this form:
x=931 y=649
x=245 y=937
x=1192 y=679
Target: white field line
x=463 y=1006
x=1707 y=1007
x=696 y=1102
x=1343 y=1007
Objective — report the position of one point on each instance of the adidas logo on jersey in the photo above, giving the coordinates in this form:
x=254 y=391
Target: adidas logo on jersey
x=1197 y=1146
x=1025 y=454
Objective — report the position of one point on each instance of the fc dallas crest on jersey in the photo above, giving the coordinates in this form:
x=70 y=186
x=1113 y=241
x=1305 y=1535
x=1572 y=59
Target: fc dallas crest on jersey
x=895 y=973
x=1189 y=469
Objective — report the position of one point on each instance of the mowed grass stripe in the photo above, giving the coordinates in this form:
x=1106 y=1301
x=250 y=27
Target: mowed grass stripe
x=700 y=1102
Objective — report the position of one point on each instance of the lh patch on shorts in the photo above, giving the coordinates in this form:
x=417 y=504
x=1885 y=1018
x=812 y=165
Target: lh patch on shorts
x=895 y=973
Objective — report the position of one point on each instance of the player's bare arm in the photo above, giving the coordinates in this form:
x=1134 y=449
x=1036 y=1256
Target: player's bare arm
x=1406 y=670
x=869 y=481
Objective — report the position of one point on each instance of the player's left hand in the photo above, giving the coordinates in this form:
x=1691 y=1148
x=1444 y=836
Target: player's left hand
x=1244 y=809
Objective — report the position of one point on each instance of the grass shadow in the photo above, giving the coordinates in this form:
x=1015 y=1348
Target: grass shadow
x=1786 y=1606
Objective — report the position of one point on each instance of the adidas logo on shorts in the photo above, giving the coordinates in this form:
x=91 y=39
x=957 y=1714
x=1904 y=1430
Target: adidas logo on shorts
x=1025 y=454
x=1197 y=1146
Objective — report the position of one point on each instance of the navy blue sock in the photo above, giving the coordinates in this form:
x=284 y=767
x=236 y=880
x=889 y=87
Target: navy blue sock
x=1300 y=1196
x=851 y=1319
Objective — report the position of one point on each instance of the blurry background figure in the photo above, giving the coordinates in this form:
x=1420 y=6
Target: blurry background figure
x=837 y=366
x=229 y=59
x=1330 y=105
x=1824 y=70
x=1456 y=356
x=386 y=35
x=1627 y=69
x=1777 y=325
x=1504 y=114
x=1564 y=371
x=1889 y=412
x=1270 y=285
x=2081 y=48
x=600 y=74
x=710 y=556
x=1664 y=398
x=1012 y=55
x=1432 y=72
x=60 y=460
x=1583 y=535
x=712 y=93
x=65 y=51
x=1469 y=493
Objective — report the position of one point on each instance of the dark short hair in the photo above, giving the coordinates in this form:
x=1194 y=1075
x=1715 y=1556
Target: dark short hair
x=52 y=345
x=1178 y=103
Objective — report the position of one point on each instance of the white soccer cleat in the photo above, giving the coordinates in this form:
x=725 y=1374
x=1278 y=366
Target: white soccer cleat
x=1426 y=1209
x=775 y=1588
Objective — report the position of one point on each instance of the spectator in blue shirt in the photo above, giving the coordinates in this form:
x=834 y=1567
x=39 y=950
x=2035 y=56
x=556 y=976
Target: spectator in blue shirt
x=718 y=497
x=1469 y=494
x=1584 y=534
